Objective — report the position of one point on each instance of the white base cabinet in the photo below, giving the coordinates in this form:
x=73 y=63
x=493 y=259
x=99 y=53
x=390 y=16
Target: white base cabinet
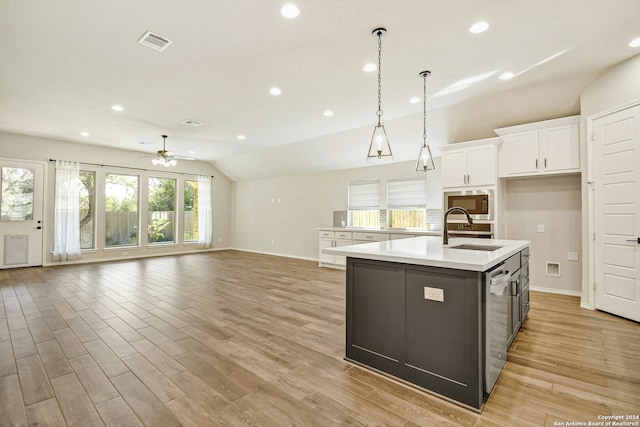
x=333 y=239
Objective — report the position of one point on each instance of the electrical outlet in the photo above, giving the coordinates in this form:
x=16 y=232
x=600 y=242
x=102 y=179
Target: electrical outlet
x=540 y=228
x=572 y=256
x=219 y=239
x=272 y=243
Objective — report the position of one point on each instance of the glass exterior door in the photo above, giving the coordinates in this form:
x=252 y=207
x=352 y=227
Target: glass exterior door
x=21 y=210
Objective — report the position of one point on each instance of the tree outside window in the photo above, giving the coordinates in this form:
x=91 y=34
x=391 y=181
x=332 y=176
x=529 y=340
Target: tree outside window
x=190 y=211
x=87 y=209
x=161 y=210
x=121 y=210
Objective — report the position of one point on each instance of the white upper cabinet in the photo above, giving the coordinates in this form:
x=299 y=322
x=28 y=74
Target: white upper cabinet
x=469 y=164
x=548 y=147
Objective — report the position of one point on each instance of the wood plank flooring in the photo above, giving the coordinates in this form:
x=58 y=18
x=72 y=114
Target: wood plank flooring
x=239 y=339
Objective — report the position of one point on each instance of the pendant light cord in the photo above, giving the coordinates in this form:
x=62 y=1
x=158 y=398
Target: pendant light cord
x=424 y=104
x=379 y=112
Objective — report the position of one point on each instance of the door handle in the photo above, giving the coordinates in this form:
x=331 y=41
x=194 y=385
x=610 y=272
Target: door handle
x=38 y=228
x=635 y=241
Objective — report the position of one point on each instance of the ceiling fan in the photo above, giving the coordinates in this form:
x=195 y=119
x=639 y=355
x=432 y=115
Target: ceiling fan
x=167 y=158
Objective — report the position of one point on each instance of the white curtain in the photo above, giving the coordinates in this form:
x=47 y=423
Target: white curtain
x=205 y=212
x=66 y=232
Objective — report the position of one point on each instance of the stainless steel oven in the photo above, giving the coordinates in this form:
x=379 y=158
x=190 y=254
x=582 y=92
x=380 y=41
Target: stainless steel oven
x=479 y=203
x=475 y=230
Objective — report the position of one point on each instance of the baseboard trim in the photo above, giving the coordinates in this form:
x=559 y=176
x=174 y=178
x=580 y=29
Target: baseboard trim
x=556 y=291
x=275 y=254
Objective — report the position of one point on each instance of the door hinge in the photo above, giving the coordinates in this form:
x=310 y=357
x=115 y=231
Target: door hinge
x=594 y=236
x=594 y=136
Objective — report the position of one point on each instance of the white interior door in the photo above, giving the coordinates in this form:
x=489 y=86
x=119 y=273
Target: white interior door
x=616 y=164
x=21 y=207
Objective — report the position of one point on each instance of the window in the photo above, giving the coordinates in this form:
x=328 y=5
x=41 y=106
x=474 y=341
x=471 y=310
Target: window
x=190 y=211
x=121 y=210
x=364 y=203
x=87 y=209
x=161 y=210
x=17 y=194
x=407 y=203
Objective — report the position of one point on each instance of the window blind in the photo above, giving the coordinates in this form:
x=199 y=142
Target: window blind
x=364 y=195
x=407 y=193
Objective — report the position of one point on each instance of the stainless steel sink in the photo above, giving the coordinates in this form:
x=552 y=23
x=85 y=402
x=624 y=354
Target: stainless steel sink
x=469 y=247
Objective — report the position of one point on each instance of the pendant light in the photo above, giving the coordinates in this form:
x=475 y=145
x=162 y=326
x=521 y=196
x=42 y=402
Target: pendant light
x=379 y=146
x=425 y=159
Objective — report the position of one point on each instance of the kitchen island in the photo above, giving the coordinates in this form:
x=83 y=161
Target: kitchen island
x=423 y=312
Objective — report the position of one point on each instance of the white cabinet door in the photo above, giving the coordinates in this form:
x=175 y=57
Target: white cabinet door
x=560 y=148
x=521 y=153
x=325 y=258
x=339 y=259
x=454 y=168
x=481 y=165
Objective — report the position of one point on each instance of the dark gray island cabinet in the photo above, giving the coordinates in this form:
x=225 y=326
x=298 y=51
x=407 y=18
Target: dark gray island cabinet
x=426 y=318
x=391 y=327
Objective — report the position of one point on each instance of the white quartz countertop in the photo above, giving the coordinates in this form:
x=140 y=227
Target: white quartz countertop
x=428 y=250
x=384 y=230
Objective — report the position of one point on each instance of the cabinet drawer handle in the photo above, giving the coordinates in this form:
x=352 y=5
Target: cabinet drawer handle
x=545 y=162
x=536 y=164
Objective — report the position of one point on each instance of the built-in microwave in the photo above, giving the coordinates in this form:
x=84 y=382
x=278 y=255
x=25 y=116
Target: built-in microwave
x=479 y=203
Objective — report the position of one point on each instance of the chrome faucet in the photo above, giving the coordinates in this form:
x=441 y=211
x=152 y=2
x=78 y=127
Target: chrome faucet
x=445 y=233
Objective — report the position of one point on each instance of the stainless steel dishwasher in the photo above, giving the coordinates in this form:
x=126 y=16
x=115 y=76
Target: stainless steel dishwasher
x=497 y=306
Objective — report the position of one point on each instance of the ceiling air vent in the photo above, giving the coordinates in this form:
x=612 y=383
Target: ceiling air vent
x=154 y=41
x=192 y=123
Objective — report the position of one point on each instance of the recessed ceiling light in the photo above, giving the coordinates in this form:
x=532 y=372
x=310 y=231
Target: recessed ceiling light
x=415 y=99
x=506 y=76
x=290 y=11
x=117 y=108
x=328 y=113
x=275 y=91
x=369 y=68
x=479 y=27
x=241 y=137
x=85 y=133
x=635 y=42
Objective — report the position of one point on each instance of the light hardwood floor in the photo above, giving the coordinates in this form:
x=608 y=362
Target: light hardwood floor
x=233 y=338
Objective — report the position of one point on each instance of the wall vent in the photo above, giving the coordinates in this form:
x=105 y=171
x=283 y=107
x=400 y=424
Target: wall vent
x=192 y=123
x=154 y=41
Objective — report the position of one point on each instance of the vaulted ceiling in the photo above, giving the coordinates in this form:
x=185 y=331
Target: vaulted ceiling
x=64 y=64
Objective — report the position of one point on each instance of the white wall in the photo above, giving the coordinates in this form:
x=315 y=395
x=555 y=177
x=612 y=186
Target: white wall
x=22 y=147
x=555 y=203
x=281 y=215
x=618 y=87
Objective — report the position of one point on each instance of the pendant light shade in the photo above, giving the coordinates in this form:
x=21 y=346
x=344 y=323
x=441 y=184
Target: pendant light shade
x=379 y=146
x=425 y=159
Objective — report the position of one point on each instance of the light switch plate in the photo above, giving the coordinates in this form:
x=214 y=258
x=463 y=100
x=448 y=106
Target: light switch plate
x=434 y=294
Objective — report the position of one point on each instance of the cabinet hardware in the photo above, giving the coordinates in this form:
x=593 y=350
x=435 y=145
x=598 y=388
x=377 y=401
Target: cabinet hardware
x=536 y=164
x=545 y=162
x=634 y=240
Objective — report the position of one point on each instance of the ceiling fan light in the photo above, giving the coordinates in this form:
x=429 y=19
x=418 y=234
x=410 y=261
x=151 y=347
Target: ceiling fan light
x=161 y=161
x=154 y=161
x=173 y=162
